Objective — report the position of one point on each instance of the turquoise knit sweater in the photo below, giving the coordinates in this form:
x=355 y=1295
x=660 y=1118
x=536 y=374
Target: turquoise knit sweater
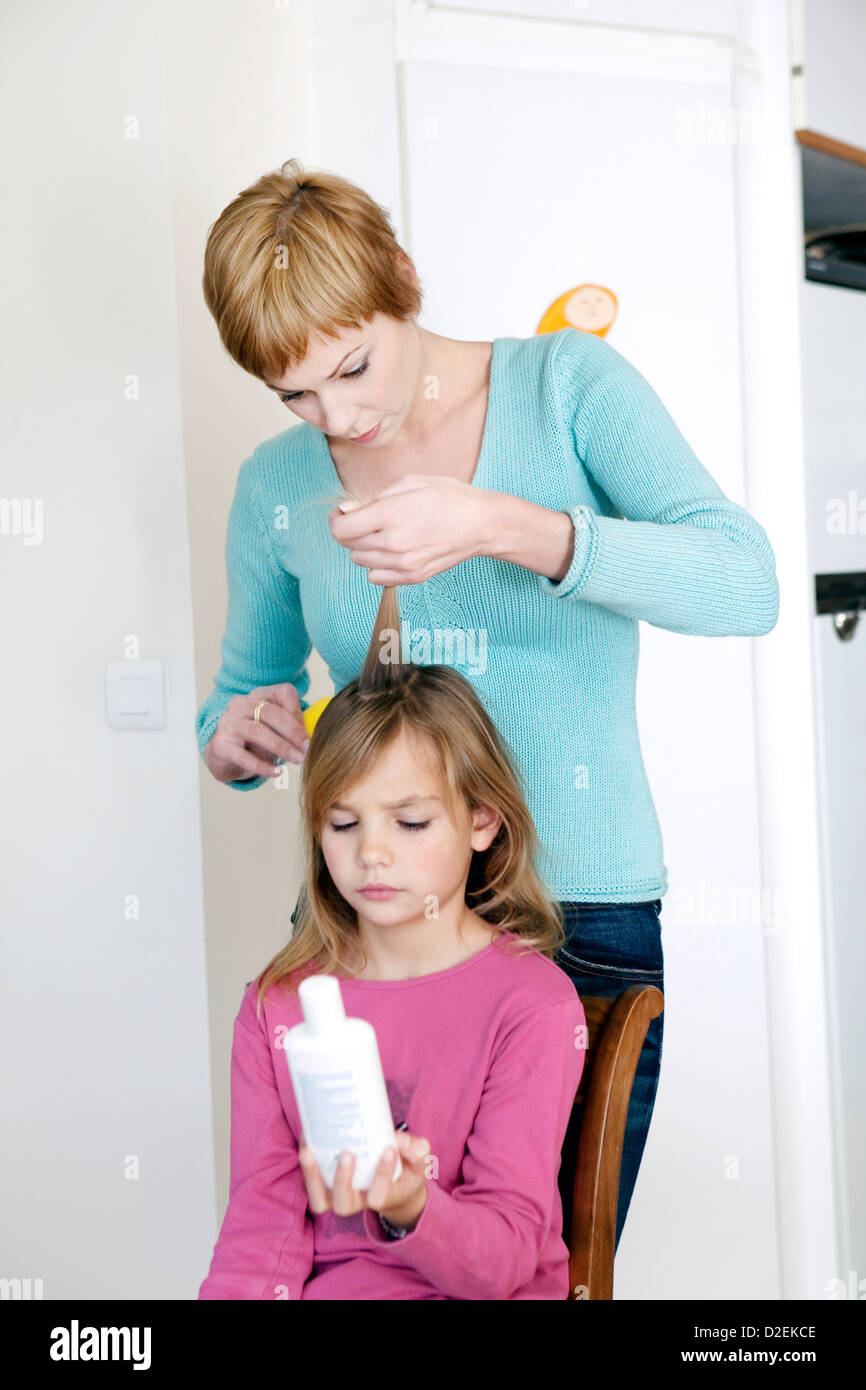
x=572 y=426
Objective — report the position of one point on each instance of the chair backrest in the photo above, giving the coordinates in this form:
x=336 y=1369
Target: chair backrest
x=617 y=1028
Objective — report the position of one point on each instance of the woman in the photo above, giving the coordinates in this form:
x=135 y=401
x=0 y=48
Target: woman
x=532 y=499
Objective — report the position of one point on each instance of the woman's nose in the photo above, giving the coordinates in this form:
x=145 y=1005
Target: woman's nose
x=340 y=422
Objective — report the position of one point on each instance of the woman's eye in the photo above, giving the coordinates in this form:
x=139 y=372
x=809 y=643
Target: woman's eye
x=346 y=826
x=296 y=396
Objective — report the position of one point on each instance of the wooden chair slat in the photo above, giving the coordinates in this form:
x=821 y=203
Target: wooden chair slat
x=616 y=1028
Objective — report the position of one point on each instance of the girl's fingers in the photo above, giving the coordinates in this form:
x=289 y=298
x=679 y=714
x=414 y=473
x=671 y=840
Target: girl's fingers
x=343 y=1199
x=414 y=1147
x=346 y=1201
x=382 y=1180
x=317 y=1193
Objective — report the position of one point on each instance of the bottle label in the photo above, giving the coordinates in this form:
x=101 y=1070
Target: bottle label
x=332 y=1119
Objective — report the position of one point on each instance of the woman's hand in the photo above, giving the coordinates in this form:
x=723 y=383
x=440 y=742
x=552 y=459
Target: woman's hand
x=425 y=523
x=400 y=1202
x=239 y=748
x=420 y=525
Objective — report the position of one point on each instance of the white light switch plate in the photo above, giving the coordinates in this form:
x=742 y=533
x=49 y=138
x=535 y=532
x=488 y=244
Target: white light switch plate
x=134 y=697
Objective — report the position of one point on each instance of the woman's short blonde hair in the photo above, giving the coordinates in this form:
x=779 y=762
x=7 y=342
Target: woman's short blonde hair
x=300 y=252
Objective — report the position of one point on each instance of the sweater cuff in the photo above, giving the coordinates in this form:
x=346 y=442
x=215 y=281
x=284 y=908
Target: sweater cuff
x=583 y=559
x=205 y=736
x=380 y=1237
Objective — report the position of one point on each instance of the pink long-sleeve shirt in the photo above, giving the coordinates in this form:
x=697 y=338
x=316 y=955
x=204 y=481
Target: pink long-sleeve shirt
x=483 y=1060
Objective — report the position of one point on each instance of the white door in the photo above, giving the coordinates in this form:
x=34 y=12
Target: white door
x=533 y=162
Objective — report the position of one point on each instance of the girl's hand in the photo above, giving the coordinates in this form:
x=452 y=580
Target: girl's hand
x=400 y=1202
x=240 y=748
x=419 y=526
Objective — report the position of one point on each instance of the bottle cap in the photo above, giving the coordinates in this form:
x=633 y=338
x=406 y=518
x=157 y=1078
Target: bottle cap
x=321 y=1002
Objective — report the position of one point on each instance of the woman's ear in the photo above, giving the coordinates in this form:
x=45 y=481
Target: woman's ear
x=485 y=826
x=407 y=268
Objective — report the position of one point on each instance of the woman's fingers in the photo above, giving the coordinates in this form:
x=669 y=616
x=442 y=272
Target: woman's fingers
x=232 y=745
x=239 y=744
x=280 y=730
x=240 y=748
x=230 y=761
x=272 y=735
x=282 y=714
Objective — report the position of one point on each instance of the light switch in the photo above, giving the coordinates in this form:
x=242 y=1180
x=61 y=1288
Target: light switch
x=134 y=697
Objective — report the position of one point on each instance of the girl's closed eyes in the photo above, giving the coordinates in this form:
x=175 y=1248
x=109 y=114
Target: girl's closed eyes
x=406 y=824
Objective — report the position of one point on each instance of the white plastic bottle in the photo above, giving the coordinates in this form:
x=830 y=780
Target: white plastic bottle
x=339 y=1087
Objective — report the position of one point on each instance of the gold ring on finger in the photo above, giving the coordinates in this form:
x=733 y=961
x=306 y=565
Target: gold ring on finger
x=258 y=710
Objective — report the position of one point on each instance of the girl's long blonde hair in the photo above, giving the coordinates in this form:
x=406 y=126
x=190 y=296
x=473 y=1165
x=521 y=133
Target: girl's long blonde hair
x=355 y=727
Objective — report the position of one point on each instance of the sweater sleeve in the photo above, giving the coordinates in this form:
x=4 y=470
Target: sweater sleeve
x=266 y=1242
x=682 y=555
x=266 y=641
x=483 y=1239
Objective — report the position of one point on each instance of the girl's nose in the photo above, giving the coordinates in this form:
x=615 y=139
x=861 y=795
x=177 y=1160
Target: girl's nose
x=373 y=852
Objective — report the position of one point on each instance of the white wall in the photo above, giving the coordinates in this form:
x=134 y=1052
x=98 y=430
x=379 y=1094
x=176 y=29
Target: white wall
x=117 y=1034
x=833 y=323
x=238 y=105
x=108 y=1171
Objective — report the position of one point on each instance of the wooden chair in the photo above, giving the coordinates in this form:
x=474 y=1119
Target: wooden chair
x=617 y=1028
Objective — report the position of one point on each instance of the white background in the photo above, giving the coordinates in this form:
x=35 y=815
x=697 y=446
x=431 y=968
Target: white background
x=547 y=171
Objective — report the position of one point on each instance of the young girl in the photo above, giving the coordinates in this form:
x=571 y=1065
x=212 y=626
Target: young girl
x=421 y=896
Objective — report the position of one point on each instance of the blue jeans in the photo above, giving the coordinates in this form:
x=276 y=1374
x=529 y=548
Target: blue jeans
x=610 y=946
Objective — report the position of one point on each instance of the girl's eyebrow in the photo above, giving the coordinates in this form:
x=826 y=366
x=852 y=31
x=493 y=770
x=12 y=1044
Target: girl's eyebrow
x=389 y=805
